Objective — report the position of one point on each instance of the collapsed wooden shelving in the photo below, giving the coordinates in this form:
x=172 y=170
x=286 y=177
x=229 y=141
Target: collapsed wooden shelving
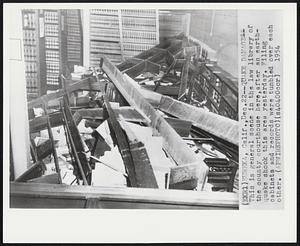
x=123 y=103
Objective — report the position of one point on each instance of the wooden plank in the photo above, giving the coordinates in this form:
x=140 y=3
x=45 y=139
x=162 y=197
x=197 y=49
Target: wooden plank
x=66 y=196
x=53 y=145
x=33 y=150
x=61 y=203
x=40 y=123
x=77 y=117
x=190 y=88
x=176 y=46
x=130 y=114
x=92 y=123
x=184 y=177
x=195 y=73
x=212 y=123
x=171 y=78
x=190 y=50
x=169 y=90
x=152 y=67
x=113 y=95
x=47 y=179
x=128 y=63
x=136 y=70
x=85 y=84
x=44 y=149
x=151 y=97
x=91 y=113
x=157 y=57
x=182 y=127
x=143 y=170
x=34 y=171
x=122 y=143
x=77 y=146
x=92 y=203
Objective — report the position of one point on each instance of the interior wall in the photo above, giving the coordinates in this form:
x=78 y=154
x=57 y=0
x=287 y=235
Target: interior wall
x=16 y=86
x=218 y=29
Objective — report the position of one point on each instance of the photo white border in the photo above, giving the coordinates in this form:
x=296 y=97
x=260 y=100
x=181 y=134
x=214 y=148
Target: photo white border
x=96 y=226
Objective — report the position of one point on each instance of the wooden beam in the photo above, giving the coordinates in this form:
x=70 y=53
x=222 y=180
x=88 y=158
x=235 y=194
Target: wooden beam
x=53 y=145
x=212 y=123
x=76 y=146
x=136 y=70
x=143 y=170
x=128 y=63
x=85 y=84
x=184 y=177
x=92 y=203
x=169 y=90
x=34 y=171
x=170 y=59
x=157 y=57
x=92 y=123
x=26 y=195
x=45 y=149
x=77 y=118
x=182 y=127
x=175 y=47
x=46 y=179
x=147 y=54
x=122 y=143
x=40 y=123
x=91 y=113
x=56 y=119
x=152 y=67
x=205 y=122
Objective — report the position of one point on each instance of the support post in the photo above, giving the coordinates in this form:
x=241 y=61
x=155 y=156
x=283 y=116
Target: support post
x=53 y=145
x=18 y=112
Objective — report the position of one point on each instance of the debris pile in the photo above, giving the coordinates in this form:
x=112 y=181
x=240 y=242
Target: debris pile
x=127 y=126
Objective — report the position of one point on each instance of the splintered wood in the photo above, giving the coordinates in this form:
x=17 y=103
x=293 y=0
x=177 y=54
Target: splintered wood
x=156 y=160
x=172 y=142
x=143 y=169
x=128 y=139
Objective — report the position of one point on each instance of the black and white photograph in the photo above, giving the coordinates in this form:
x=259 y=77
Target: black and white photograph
x=144 y=113
x=146 y=108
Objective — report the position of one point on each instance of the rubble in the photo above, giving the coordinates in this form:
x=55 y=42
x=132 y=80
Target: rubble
x=127 y=134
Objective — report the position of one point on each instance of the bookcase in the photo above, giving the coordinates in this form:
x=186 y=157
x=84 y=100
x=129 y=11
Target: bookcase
x=31 y=52
x=52 y=46
x=119 y=34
